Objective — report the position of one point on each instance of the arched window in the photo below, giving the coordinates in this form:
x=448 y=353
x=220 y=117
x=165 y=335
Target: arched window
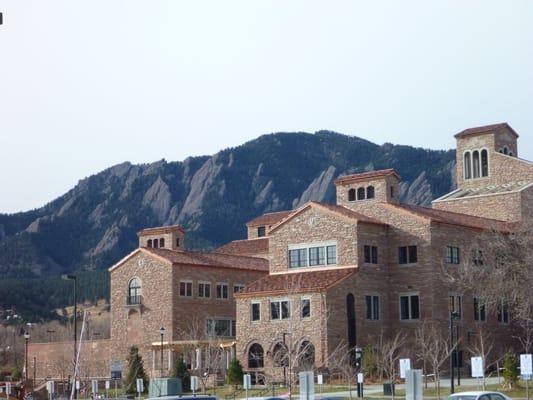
x=484 y=163
x=280 y=355
x=162 y=242
x=351 y=195
x=468 y=165
x=361 y=193
x=306 y=355
x=156 y=243
x=134 y=291
x=475 y=163
x=511 y=153
x=370 y=192
x=149 y=242
x=505 y=150
x=255 y=356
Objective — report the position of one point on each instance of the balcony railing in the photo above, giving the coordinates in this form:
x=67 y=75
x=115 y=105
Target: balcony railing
x=134 y=300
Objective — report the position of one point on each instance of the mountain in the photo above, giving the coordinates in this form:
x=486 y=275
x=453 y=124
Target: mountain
x=95 y=224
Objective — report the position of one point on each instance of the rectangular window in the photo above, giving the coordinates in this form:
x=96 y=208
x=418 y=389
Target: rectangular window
x=503 y=313
x=317 y=256
x=407 y=255
x=261 y=231
x=456 y=305
x=306 y=308
x=452 y=255
x=237 y=287
x=220 y=327
x=372 y=307
x=298 y=258
x=256 y=312
x=331 y=254
x=222 y=290
x=477 y=257
x=279 y=309
x=204 y=289
x=479 y=310
x=371 y=254
x=409 y=307
x=186 y=288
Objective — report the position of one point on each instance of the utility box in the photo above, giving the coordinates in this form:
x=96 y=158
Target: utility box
x=413 y=385
x=388 y=389
x=165 y=387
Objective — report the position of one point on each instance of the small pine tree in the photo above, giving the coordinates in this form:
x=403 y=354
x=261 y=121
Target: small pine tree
x=135 y=371
x=510 y=370
x=180 y=371
x=235 y=373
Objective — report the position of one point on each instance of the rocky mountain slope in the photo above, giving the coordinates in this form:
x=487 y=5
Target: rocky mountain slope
x=95 y=223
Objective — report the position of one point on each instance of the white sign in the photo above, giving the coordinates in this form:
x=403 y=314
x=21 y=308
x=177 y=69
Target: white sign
x=94 y=386
x=78 y=385
x=307 y=385
x=194 y=383
x=50 y=387
x=405 y=365
x=140 y=385
x=8 y=388
x=247 y=381
x=477 y=367
x=360 y=377
x=107 y=385
x=526 y=366
x=320 y=379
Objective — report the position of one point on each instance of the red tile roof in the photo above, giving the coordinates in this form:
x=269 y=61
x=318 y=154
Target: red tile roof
x=161 y=229
x=297 y=282
x=364 y=176
x=486 y=128
x=449 y=217
x=269 y=218
x=210 y=259
x=245 y=247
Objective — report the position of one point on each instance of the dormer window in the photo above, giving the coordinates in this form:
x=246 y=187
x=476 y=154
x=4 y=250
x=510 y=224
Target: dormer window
x=361 y=193
x=351 y=195
x=261 y=231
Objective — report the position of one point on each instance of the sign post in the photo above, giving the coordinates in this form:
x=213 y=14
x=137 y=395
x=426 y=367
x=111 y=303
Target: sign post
x=247 y=383
x=526 y=370
x=94 y=387
x=194 y=385
x=8 y=389
x=140 y=386
x=405 y=365
x=360 y=380
x=320 y=382
x=107 y=386
x=478 y=371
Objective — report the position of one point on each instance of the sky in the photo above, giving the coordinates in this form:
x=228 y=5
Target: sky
x=88 y=84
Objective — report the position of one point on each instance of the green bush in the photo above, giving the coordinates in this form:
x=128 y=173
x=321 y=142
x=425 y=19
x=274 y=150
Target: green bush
x=180 y=371
x=235 y=373
x=135 y=371
x=510 y=370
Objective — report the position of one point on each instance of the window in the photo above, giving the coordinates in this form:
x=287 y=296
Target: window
x=279 y=309
x=409 y=307
x=407 y=255
x=503 y=313
x=186 y=288
x=351 y=195
x=371 y=254
x=298 y=258
x=156 y=243
x=149 y=242
x=452 y=255
x=475 y=163
x=255 y=356
x=134 y=292
x=177 y=242
x=361 y=193
x=467 y=165
x=372 y=307
x=220 y=327
x=305 y=308
x=261 y=231
x=238 y=287
x=162 y=242
x=456 y=305
x=370 y=192
x=204 y=289
x=484 y=163
x=479 y=310
x=477 y=257
x=317 y=256
x=280 y=355
x=313 y=256
x=256 y=312
x=392 y=191
x=222 y=290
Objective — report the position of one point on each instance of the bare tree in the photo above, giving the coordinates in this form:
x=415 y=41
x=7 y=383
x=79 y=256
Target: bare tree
x=482 y=346
x=341 y=361
x=389 y=354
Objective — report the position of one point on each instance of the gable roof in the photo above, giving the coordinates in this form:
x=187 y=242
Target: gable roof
x=204 y=259
x=332 y=208
x=245 y=247
x=486 y=128
x=269 y=219
x=297 y=282
x=449 y=217
x=364 y=176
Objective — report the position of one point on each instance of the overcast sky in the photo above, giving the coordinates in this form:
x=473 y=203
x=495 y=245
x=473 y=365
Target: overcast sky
x=88 y=84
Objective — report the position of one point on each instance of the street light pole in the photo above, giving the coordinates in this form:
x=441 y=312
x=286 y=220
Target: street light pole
x=453 y=315
x=162 y=333
x=26 y=339
x=69 y=277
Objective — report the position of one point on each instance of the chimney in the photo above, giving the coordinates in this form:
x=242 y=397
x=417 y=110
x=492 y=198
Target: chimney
x=163 y=237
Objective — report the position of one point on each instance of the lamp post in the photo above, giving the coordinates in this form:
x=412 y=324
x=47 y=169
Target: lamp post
x=26 y=339
x=453 y=316
x=73 y=278
x=162 y=333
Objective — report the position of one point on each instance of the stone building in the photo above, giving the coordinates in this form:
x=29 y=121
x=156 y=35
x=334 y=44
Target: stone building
x=344 y=274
